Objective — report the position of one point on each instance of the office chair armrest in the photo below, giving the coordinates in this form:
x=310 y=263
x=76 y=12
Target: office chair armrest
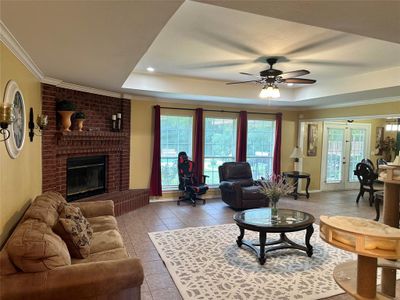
x=204 y=178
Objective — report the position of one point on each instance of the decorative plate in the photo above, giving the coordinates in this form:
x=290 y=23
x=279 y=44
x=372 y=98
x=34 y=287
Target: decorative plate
x=14 y=97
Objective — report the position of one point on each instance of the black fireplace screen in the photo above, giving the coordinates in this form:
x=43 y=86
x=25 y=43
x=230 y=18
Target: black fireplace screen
x=86 y=176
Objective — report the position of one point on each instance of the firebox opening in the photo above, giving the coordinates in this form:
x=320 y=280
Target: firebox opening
x=86 y=176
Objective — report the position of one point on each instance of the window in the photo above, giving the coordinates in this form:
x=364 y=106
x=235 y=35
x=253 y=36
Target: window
x=260 y=147
x=220 y=145
x=176 y=136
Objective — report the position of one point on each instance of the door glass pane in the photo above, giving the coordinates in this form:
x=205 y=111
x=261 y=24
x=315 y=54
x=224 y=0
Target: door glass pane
x=335 y=154
x=357 y=150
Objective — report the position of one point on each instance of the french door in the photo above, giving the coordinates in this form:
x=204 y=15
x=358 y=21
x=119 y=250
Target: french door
x=344 y=145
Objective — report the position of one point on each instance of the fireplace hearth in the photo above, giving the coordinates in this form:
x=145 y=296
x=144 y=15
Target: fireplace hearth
x=86 y=176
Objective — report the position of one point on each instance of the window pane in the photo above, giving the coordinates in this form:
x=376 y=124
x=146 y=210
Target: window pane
x=220 y=145
x=176 y=136
x=260 y=147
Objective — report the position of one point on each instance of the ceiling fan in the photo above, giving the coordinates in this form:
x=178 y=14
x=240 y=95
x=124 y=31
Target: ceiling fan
x=269 y=78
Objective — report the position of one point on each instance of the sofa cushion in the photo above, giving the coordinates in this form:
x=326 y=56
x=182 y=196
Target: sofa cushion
x=113 y=254
x=45 y=208
x=34 y=247
x=106 y=240
x=103 y=223
x=75 y=230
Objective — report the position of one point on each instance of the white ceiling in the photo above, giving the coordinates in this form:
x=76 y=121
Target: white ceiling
x=98 y=43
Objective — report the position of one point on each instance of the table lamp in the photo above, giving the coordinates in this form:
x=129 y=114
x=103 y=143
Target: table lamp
x=297 y=153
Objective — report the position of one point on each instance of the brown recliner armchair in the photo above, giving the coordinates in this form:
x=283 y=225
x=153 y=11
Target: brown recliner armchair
x=238 y=189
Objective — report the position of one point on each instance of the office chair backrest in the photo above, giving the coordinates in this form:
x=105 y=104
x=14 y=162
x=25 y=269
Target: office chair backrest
x=185 y=170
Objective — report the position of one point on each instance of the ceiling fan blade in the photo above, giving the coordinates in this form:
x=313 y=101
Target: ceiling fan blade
x=238 y=82
x=245 y=73
x=294 y=74
x=299 y=80
x=219 y=64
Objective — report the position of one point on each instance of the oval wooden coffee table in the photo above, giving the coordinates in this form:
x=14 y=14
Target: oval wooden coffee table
x=286 y=220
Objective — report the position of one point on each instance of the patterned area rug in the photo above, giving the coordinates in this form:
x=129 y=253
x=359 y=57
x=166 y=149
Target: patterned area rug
x=206 y=263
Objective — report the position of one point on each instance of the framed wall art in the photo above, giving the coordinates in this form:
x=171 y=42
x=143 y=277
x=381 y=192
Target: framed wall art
x=312 y=139
x=380 y=131
x=13 y=96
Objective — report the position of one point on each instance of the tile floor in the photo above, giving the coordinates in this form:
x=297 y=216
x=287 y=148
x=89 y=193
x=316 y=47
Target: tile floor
x=158 y=284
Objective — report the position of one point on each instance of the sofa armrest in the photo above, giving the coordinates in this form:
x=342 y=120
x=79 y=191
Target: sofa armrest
x=92 y=209
x=230 y=186
x=79 y=281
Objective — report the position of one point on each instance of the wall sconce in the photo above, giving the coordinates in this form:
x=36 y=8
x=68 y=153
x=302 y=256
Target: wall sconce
x=6 y=118
x=41 y=123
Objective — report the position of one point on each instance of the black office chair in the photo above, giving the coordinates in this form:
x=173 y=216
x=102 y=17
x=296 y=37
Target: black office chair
x=188 y=183
x=366 y=176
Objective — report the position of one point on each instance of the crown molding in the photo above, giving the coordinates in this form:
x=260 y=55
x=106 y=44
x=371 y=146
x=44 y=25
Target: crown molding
x=11 y=43
x=81 y=88
x=355 y=103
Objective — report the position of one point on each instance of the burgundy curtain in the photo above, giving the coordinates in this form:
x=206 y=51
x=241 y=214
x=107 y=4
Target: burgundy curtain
x=276 y=167
x=241 y=143
x=155 y=180
x=198 y=143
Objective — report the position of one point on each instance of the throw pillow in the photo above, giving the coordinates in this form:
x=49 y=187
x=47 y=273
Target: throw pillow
x=34 y=247
x=75 y=230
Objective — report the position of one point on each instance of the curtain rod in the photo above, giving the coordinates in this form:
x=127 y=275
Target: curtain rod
x=217 y=110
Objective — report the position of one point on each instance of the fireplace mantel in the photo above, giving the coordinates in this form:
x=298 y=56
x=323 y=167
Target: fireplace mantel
x=96 y=139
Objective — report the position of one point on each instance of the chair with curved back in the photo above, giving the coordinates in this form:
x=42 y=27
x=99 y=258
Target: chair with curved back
x=369 y=162
x=366 y=176
x=188 y=183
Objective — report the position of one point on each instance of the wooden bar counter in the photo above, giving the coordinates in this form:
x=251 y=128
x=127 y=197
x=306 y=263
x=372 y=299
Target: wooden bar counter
x=391 y=218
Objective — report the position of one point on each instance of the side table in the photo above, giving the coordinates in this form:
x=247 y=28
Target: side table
x=295 y=175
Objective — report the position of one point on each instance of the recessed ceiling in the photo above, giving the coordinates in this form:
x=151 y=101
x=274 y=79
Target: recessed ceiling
x=196 y=47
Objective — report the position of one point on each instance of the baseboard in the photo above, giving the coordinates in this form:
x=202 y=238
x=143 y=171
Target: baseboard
x=167 y=198
x=311 y=192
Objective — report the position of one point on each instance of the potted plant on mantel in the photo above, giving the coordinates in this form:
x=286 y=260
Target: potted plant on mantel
x=80 y=117
x=66 y=109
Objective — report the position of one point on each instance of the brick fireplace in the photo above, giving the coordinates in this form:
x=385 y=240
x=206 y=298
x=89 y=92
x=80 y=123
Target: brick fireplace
x=97 y=139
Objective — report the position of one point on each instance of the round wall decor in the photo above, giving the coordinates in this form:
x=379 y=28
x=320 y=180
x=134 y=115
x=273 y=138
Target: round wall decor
x=13 y=96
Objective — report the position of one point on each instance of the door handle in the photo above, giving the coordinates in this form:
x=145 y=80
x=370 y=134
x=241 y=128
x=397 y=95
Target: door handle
x=344 y=162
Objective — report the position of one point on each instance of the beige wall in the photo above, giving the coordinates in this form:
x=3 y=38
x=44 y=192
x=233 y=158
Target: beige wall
x=142 y=139
x=20 y=178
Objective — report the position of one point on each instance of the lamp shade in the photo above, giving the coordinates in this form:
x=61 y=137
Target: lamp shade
x=297 y=153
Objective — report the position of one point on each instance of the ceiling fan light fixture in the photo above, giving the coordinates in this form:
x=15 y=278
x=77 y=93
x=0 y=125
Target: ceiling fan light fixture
x=267 y=92
x=275 y=92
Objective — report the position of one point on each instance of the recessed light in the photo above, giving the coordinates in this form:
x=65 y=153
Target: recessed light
x=290 y=84
x=150 y=69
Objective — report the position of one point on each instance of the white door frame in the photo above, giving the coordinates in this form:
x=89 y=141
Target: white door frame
x=344 y=184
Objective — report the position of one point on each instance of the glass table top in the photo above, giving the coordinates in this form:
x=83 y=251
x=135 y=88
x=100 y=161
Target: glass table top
x=262 y=217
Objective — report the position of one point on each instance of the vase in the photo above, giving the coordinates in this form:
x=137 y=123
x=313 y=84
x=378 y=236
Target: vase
x=80 y=124
x=66 y=119
x=274 y=208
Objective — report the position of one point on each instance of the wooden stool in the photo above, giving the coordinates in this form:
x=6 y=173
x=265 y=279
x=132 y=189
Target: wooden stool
x=370 y=240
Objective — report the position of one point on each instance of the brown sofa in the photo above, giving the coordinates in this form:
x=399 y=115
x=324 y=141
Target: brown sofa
x=238 y=189
x=107 y=273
